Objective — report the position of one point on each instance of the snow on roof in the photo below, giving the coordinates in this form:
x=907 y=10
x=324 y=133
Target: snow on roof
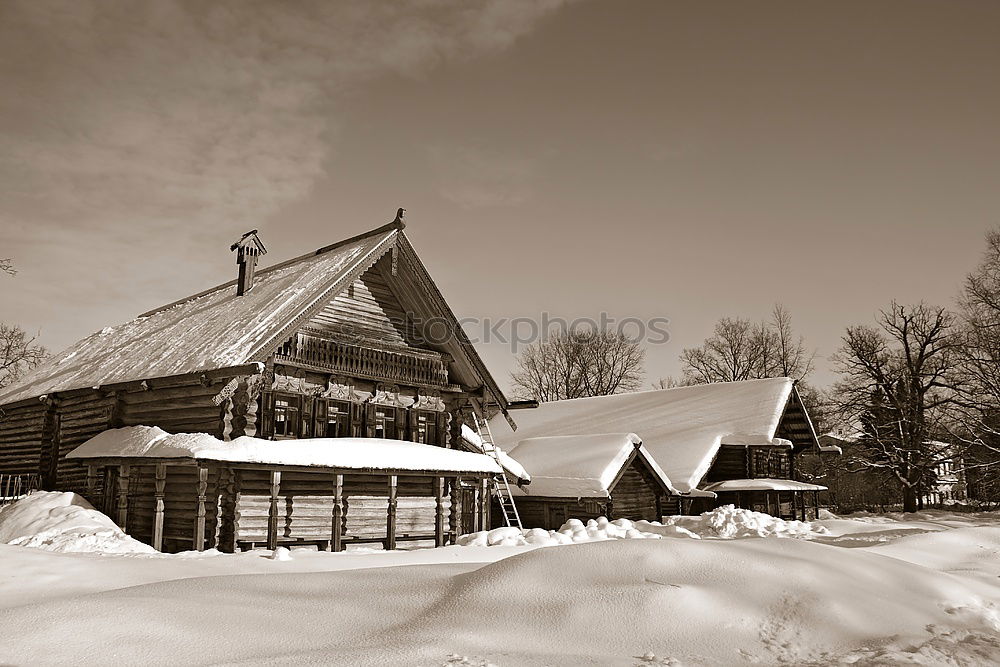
x=350 y=453
x=579 y=466
x=682 y=428
x=214 y=329
x=763 y=484
x=509 y=464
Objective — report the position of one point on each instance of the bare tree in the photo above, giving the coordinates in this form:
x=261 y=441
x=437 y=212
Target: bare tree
x=576 y=364
x=979 y=398
x=743 y=350
x=18 y=354
x=668 y=382
x=897 y=382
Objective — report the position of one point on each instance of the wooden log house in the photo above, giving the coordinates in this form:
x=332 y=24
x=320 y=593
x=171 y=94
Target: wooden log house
x=718 y=444
x=352 y=340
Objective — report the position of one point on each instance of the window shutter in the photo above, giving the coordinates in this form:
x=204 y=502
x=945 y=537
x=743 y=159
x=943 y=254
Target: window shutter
x=354 y=420
x=441 y=434
x=368 y=410
x=267 y=415
x=413 y=425
x=402 y=430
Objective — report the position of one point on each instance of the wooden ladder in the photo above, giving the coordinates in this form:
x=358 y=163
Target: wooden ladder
x=501 y=486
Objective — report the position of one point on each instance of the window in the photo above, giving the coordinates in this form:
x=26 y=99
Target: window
x=333 y=419
x=287 y=416
x=426 y=428
x=385 y=423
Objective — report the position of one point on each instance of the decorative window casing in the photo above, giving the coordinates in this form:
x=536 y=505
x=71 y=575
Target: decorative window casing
x=287 y=416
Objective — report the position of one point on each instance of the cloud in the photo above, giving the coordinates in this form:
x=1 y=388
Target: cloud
x=132 y=126
x=166 y=111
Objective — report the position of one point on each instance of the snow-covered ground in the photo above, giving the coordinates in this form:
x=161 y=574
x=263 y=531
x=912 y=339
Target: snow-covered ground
x=916 y=589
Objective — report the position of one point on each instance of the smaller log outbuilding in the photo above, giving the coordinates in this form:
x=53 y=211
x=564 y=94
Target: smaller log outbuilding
x=717 y=444
x=584 y=477
x=192 y=491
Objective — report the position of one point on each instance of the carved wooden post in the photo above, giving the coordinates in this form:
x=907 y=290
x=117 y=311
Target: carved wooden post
x=199 y=522
x=439 y=511
x=92 y=483
x=453 y=516
x=390 y=528
x=272 y=511
x=337 y=529
x=235 y=481
x=123 y=475
x=484 y=503
x=161 y=483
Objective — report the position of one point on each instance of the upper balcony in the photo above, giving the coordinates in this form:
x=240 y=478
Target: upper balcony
x=365 y=359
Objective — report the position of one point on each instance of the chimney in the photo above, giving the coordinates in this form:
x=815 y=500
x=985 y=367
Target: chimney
x=248 y=249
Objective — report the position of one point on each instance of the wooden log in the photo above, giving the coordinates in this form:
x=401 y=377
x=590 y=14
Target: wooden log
x=337 y=529
x=161 y=483
x=439 y=512
x=91 y=481
x=390 y=534
x=123 y=475
x=272 y=512
x=199 y=523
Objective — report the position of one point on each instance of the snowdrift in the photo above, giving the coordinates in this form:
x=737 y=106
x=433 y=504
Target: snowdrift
x=693 y=602
x=63 y=522
x=726 y=522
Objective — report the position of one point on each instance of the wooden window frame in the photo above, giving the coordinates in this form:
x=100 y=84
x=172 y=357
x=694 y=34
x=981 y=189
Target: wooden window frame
x=295 y=407
x=321 y=414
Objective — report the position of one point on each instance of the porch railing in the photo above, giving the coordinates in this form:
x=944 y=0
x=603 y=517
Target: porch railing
x=15 y=487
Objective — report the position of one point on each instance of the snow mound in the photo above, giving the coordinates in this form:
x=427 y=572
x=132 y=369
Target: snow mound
x=729 y=522
x=63 y=522
x=281 y=553
x=726 y=522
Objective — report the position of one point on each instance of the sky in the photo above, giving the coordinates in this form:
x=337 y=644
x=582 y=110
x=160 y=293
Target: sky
x=676 y=160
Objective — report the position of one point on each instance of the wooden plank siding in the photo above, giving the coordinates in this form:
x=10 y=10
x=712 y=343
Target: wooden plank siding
x=636 y=494
x=367 y=308
x=306 y=505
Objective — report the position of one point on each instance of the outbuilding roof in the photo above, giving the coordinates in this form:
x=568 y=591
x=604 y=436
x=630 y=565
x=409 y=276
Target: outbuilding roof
x=581 y=466
x=681 y=428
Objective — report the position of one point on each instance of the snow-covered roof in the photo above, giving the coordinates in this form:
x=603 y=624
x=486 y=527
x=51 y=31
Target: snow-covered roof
x=509 y=464
x=579 y=466
x=217 y=329
x=763 y=484
x=682 y=428
x=349 y=453
x=214 y=329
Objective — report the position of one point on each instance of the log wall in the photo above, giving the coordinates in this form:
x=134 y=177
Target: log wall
x=79 y=418
x=730 y=463
x=23 y=433
x=35 y=436
x=636 y=495
x=182 y=409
